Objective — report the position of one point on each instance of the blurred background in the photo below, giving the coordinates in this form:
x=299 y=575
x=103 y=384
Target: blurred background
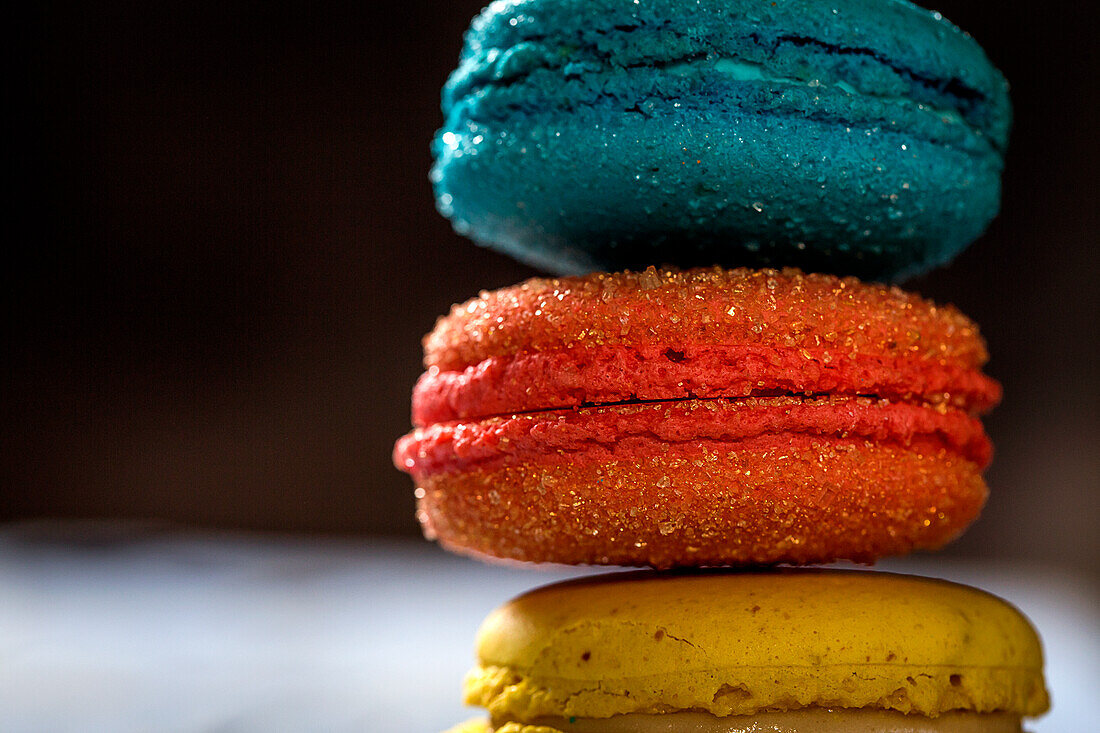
x=223 y=252
x=227 y=252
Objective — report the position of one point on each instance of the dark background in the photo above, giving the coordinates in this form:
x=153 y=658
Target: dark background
x=224 y=249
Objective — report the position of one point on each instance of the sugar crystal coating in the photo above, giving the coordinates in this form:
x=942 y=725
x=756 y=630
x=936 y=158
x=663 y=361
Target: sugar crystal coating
x=787 y=500
x=700 y=417
x=779 y=308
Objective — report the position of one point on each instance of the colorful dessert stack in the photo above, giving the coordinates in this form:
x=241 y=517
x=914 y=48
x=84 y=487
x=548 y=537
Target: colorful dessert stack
x=651 y=407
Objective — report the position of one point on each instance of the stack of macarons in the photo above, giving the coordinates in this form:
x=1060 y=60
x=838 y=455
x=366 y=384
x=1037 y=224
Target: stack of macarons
x=652 y=407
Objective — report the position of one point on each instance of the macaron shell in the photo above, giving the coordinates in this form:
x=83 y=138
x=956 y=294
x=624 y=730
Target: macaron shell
x=891 y=47
x=707 y=306
x=694 y=187
x=865 y=138
x=782 y=499
x=733 y=644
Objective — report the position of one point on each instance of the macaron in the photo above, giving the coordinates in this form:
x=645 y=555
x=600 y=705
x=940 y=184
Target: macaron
x=792 y=651
x=863 y=137
x=702 y=417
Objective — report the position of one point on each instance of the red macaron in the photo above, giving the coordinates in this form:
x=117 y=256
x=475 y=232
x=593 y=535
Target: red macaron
x=703 y=417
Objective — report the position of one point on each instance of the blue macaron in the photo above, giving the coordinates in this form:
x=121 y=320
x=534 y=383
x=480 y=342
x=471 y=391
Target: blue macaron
x=860 y=137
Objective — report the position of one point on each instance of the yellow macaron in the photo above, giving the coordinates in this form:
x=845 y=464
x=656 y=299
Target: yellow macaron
x=794 y=650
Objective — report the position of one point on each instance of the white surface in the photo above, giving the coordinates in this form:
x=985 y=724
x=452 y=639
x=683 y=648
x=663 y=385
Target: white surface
x=242 y=634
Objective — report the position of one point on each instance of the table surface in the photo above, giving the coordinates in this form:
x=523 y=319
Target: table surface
x=172 y=632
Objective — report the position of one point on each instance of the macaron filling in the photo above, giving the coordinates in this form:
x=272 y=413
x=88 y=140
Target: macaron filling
x=810 y=720
x=626 y=432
